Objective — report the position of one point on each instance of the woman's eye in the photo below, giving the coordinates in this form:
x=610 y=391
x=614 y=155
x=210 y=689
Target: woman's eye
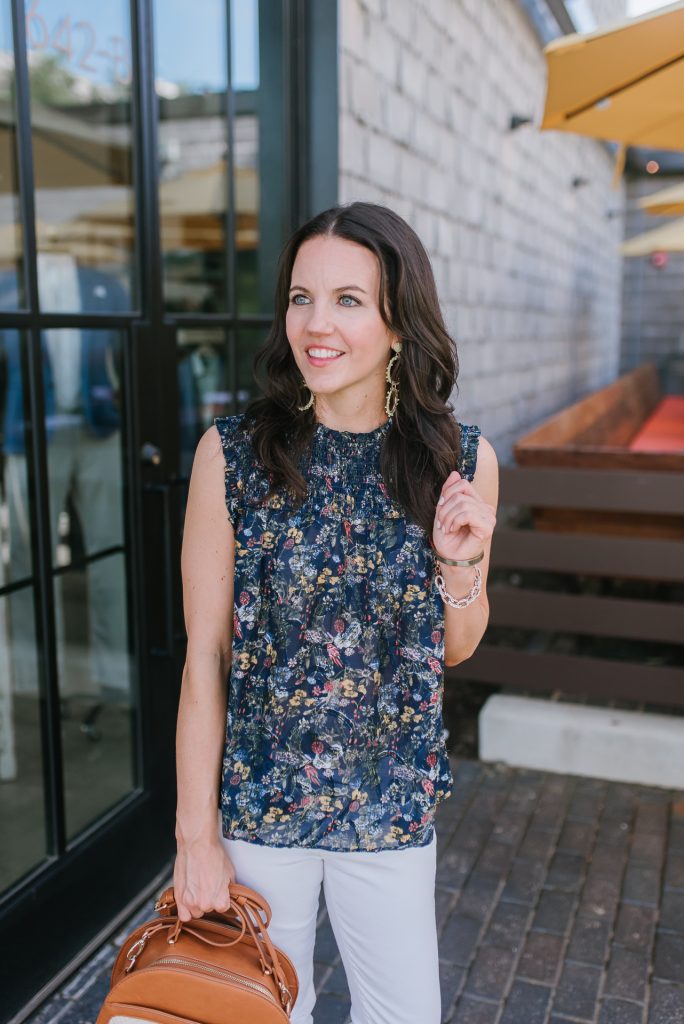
x=352 y=300
x=294 y=299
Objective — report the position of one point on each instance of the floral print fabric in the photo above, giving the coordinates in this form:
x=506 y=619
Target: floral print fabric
x=334 y=732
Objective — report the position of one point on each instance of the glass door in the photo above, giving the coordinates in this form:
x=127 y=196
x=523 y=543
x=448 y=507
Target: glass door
x=150 y=169
x=86 y=780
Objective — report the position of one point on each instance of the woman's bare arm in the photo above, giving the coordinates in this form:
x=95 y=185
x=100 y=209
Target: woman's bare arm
x=203 y=870
x=465 y=627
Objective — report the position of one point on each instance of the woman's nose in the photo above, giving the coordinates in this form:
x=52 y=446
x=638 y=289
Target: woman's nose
x=320 y=321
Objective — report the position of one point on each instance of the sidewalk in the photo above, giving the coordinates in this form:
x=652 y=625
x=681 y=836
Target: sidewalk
x=559 y=899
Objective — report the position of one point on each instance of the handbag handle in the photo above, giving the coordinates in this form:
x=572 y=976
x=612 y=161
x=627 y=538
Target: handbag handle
x=166 y=904
x=248 y=906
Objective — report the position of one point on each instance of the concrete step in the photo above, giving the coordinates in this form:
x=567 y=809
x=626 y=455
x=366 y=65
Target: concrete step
x=574 y=739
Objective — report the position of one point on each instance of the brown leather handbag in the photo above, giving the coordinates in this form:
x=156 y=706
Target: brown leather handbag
x=215 y=969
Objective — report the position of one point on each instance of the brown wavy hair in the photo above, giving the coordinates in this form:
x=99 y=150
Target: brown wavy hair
x=422 y=445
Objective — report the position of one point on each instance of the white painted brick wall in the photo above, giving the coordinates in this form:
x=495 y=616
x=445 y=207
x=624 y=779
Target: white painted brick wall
x=653 y=306
x=608 y=12
x=527 y=266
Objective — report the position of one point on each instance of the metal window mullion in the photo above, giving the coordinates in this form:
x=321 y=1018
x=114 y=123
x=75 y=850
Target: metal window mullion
x=46 y=321
x=36 y=465
x=190 y=320
x=134 y=559
x=146 y=166
x=44 y=595
x=231 y=335
x=25 y=156
x=143 y=345
x=319 y=109
x=297 y=112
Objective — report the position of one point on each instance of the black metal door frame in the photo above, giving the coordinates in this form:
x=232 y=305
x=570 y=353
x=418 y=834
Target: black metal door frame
x=59 y=912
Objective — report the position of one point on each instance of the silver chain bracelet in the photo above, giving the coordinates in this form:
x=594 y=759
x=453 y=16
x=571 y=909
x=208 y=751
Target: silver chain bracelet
x=460 y=602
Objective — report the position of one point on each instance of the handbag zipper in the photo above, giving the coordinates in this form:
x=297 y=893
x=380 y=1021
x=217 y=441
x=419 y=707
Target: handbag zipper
x=219 y=971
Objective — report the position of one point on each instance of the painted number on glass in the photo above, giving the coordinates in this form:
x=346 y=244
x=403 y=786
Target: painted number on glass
x=77 y=43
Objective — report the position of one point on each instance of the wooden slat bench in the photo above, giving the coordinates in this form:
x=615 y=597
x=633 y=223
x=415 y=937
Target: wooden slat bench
x=663 y=431
x=626 y=426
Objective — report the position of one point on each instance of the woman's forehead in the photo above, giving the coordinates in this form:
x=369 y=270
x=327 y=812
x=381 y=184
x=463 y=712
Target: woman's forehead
x=326 y=258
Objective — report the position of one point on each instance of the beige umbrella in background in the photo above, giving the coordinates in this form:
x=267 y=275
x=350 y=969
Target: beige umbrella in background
x=192 y=210
x=624 y=84
x=669 y=202
x=70 y=237
x=667 y=238
x=68 y=156
x=67 y=153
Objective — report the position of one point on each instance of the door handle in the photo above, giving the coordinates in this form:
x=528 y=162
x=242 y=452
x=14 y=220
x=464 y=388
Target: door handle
x=150 y=454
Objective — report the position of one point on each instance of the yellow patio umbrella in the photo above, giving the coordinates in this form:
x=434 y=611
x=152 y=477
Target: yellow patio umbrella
x=667 y=238
x=667 y=203
x=624 y=84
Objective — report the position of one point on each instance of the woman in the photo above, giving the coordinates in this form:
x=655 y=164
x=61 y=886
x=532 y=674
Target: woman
x=331 y=595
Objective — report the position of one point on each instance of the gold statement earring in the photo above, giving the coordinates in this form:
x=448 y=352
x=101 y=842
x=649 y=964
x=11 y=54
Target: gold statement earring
x=303 y=408
x=392 y=396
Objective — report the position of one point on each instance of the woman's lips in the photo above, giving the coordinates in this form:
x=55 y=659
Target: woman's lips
x=318 y=361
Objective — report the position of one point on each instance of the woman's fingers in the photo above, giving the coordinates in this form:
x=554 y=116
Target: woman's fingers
x=452 y=479
x=188 y=909
x=179 y=891
x=456 y=505
x=222 y=905
x=455 y=484
x=464 y=510
x=211 y=888
x=184 y=912
x=457 y=521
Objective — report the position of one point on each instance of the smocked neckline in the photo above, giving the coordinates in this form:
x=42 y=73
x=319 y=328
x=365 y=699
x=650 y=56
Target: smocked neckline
x=347 y=453
x=353 y=435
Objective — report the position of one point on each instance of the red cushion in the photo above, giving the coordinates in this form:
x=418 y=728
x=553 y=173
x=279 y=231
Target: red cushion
x=663 y=431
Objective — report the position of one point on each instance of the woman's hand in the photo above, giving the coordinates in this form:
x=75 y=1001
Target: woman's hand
x=464 y=522
x=202 y=875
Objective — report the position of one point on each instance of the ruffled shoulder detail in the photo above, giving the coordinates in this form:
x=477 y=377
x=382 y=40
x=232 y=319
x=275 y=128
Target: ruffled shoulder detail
x=237 y=453
x=470 y=435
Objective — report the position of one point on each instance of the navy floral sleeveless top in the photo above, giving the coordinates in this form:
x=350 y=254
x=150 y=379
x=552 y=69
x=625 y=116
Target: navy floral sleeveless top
x=334 y=731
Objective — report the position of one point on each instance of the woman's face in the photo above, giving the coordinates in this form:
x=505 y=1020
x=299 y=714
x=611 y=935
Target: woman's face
x=338 y=338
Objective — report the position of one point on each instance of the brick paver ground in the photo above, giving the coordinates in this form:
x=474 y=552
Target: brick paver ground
x=559 y=899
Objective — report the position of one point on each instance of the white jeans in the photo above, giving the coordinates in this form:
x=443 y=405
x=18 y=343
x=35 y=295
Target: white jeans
x=382 y=910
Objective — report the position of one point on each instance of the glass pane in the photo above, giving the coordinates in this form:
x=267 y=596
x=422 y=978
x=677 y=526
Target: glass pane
x=23 y=841
x=250 y=340
x=81 y=380
x=95 y=686
x=205 y=380
x=259 y=133
x=80 y=74
x=11 y=242
x=16 y=515
x=203 y=384
x=193 y=191
x=190 y=53
x=22 y=809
